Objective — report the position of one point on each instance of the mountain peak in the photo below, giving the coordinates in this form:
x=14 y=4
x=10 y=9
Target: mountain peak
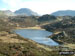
x=26 y=11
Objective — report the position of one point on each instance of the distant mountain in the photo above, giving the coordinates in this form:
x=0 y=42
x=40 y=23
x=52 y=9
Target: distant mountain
x=25 y=11
x=64 y=13
x=9 y=13
x=6 y=12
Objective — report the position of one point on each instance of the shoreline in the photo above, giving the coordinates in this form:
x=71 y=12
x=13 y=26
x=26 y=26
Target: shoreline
x=36 y=28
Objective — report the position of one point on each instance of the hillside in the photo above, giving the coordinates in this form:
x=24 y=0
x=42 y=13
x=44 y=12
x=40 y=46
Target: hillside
x=64 y=31
x=46 y=18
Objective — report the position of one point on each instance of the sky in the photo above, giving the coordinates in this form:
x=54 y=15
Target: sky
x=39 y=6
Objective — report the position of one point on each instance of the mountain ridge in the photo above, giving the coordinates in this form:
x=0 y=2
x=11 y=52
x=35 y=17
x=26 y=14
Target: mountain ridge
x=22 y=11
x=64 y=13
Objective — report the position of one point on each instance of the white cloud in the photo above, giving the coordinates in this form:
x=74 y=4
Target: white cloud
x=41 y=6
x=3 y=9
